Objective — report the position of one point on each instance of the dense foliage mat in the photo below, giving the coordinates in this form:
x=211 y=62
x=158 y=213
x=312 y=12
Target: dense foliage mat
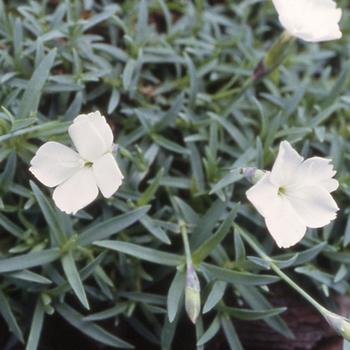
x=171 y=79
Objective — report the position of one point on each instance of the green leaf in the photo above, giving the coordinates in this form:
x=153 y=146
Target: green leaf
x=193 y=80
x=150 y=191
x=10 y=227
x=113 y=101
x=170 y=145
x=109 y=313
x=90 y=329
x=145 y=298
x=171 y=115
x=235 y=277
x=85 y=273
x=347 y=232
x=128 y=74
x=215 y=296
x=206 y=223
x=31 y=97
x=210 y=332
x=154 y=229
x=7 y=176
x=36 y=327
x=228 y=179
x=168 y=333
x=240 y=252
x=142 y=21
x=74 y=279
x=111 y=226
x=197 y=167
x=22 y=262
x=251 y=315
x=257 y=301
x=190 y=216
x=233 y=131
x=309 y=254
x=143 y=253
x=50 y=214
x=231 y=334
x=7 y=314
x=30 y=276
x=175 y=294
x=213 y=241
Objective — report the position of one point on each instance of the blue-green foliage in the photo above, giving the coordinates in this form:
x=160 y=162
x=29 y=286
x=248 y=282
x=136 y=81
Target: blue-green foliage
x=169 y=76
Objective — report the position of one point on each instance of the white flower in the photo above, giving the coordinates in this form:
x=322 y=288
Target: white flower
x=295 y=195
x=79 y=175
x=310 y=20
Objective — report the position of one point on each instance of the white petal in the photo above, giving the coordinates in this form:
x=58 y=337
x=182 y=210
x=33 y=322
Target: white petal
x=54 y=163
x=314 y=205
x=108 y=175
x=77 y=192
x=91 y=135
x=310 y=20
x=316 y=171
x=264 y=196
x=286 y=163
x=285 y=225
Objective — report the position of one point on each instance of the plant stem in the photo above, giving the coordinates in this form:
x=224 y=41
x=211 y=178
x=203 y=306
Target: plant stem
x=186 y=243
x=280 y=273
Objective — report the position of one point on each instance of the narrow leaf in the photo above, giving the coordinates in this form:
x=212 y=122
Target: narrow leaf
x=213 y=241
x=90 y=329
x=7 y=314
x=111 y=226
x=31 y=97
x=175 y=294
x=143 y=253
x=236 y=277
x=72 y=274
x=36 y=327
x=22 y=262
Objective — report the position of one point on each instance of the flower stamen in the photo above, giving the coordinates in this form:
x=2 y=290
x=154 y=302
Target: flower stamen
x=281 y=191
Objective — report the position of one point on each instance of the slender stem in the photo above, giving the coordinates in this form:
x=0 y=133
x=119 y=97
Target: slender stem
x=301 y=291
x=184 y=235
x=280 y=273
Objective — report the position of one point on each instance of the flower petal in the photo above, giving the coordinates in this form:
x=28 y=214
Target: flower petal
x=54 y=163
x=310 y=20
x=91 y=135
x=264 y=196
x=77 y=192
x=284 y=224
x=316 y=171
x=314 y=205
x=286 y=163
x=107 y=174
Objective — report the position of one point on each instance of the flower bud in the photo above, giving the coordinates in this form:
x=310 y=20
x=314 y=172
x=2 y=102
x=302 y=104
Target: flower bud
x=339 y=323
x=274 y=57
x=192 y=294
x=253 y=175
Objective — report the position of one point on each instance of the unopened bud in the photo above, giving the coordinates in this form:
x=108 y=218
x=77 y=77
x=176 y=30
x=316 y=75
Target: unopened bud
x=339 y=323
x=253 y=175
x=192 y=294
x=274 y=57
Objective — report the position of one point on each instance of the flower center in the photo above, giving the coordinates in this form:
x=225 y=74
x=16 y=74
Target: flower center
x=88 y=164
x=281 y=191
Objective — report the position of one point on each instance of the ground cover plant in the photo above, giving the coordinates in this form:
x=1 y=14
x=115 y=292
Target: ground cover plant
x=179 y=241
